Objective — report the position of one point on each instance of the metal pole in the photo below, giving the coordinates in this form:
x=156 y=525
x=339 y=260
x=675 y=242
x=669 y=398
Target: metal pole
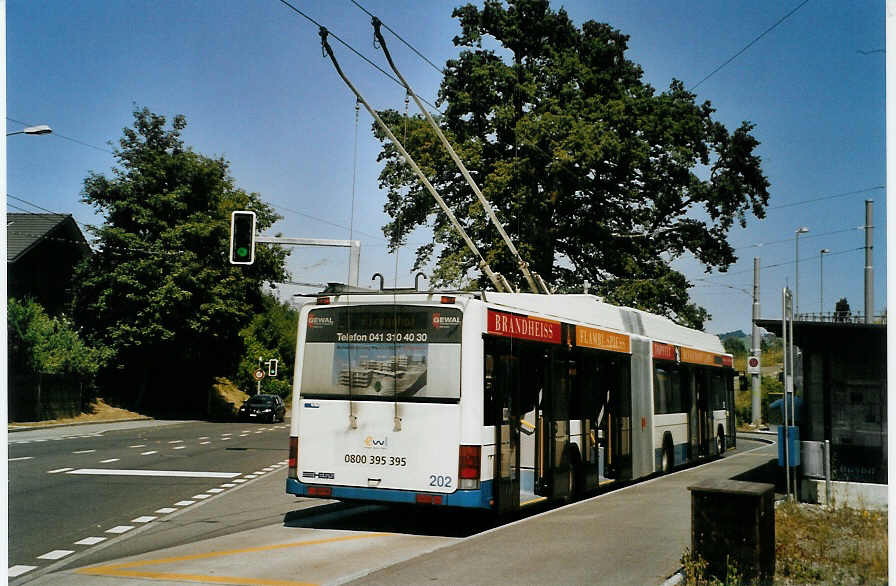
x=786 y=379
x=869 y=270
x=757 y=347
x=792 y=389
x=797 y=271
x=827 y=472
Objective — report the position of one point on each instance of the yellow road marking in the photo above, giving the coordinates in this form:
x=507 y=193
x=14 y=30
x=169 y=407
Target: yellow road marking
x=121 y=569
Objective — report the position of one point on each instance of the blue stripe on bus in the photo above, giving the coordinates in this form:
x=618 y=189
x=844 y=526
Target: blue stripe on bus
x=461 y=498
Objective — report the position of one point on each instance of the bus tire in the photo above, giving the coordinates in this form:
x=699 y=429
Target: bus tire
x=720 y=441
x=668 y=459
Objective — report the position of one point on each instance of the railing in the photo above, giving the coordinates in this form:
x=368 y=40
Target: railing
x=842 y=317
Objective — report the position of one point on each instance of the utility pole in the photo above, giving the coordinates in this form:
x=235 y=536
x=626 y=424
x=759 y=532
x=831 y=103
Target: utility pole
x=869 y=269
x=757 y=347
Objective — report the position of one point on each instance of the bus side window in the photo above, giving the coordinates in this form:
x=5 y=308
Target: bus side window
x=488 y=387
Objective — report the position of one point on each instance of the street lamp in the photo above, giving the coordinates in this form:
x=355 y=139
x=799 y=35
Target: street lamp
x=796 y=296
x=39 y=129
x=821 y=254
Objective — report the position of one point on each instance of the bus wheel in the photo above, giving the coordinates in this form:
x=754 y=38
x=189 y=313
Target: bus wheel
x=720 y=441
x=668 y=456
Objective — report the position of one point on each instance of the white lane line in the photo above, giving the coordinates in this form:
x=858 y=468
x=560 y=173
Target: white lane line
x=143 y=519
x=184 y=503
x=224 y=439
x=228 y=485
x=177 y=473
x=58 y=470
x=204 y=443
x=84 y=452
x=19 y=459
x=251 y=476
x=165 y=510
x=215 y=490
x=178 y=447
x=138 y=446
x=149 y=453
x=15 y=571
x=259 y=472
x=56 y=554
x=90 y=541
x=38 y=440
x=228 y=433
x=120 y=529
x=240 y=480
x=204 y=437
x=109 y=461
x=200 y=496
x=176 y=442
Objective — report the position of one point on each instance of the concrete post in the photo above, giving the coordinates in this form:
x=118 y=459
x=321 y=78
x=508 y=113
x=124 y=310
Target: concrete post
x=756 y=350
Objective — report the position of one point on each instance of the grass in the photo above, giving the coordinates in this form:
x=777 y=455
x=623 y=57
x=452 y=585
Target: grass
x=98 y=412
x=815 y=545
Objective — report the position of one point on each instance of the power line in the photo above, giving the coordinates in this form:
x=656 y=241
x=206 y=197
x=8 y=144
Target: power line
x=778 y=265
x=825 y=197
x=349 y=47
x=788 y=240
x=397 y=36
x=74 y=140
x=750 y=44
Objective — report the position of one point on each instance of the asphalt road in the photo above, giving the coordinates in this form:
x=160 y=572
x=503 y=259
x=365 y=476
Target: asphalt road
x=80 y=487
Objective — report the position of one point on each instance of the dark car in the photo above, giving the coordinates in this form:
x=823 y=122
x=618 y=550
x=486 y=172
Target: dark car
x=263 y=408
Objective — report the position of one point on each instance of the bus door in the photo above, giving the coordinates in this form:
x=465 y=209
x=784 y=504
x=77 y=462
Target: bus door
x=586 y=404
x=704 y=415
x=557 y=454
x=502 y=382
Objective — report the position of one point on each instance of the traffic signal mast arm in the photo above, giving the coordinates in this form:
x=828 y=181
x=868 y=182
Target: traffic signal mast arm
x=498 y=281
x=536 y=284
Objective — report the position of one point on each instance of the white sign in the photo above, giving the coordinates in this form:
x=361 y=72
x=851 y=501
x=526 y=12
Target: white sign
x=258 y=374
x=753 y=366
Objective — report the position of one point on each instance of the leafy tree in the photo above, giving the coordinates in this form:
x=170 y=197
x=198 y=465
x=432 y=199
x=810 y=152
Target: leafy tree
x=596 y=175
x=270 y=334
x=160 y=292
x=734 y=346
x=39 y=343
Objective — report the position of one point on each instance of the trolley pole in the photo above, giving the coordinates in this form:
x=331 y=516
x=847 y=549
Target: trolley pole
x=869 y=269
x=757 y=347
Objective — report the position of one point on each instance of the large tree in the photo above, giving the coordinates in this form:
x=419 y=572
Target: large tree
x=159 y=291
x=597 y=176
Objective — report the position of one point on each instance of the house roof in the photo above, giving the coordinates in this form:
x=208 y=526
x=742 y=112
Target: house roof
x=25 y=231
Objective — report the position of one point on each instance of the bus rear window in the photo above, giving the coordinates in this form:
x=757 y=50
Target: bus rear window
x=408 y=353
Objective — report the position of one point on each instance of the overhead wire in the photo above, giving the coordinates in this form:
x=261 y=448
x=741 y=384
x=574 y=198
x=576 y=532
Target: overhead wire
x=62 y=136
x=826 y=197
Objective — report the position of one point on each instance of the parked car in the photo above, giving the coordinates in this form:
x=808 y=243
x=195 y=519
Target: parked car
x=263 y=408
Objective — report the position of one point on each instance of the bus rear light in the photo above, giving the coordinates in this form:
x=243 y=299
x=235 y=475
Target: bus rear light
x=428 y=499
x=293 y=456
x=468 y=484
x=469 y=462
x=323 y=300
x=446 y=300
x=320 y=491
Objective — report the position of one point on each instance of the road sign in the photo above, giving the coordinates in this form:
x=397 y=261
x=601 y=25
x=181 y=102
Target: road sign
x=753 y=365
x=258 y=374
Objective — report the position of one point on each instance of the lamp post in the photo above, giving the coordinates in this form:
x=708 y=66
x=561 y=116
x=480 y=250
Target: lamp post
x=796 y=297
x=39 y=129
x=821 y=254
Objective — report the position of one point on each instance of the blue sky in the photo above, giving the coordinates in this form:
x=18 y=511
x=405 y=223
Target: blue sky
x=251 y=81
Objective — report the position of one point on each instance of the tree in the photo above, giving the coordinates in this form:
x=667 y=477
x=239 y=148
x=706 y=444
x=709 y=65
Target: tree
x=270 y=334
x=159 y=292
x=734 y=346
x=596 y=176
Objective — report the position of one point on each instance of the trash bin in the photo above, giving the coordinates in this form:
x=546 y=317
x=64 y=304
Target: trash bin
x=733 y=520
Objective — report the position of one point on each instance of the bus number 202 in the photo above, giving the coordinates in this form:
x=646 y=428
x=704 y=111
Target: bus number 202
x=441 y=481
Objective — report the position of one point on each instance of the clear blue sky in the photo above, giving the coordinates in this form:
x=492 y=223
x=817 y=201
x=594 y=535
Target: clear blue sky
x=251 y=81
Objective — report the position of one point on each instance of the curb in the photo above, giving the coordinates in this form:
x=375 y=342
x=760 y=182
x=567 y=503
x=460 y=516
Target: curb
x=11 y=429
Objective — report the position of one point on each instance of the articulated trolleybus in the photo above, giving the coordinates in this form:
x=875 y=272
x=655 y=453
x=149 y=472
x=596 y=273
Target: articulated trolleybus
x=496 y=400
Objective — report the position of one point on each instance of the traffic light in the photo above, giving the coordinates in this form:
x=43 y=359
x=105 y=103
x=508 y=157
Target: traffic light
x=272 y=367
x=242 y=238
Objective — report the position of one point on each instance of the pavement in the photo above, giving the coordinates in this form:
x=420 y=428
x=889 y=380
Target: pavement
x=634 y=535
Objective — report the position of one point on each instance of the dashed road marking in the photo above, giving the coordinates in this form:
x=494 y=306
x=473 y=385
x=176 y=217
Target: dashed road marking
x=144 y=519
x=84 y=452
x=19 y=459
x=149 y=453
x=228 y=485
x=176 y=442
x=173 y=473
x=120 y=529
x=110 y=460
x=90 y=541
x=15 y=571
x=165 y=510
x=215 y=490
x=56 y=554
x=138 y=446
x=184 y=503
x=204 y=443
x=240 y=480
x=179 y=447
x=200 y=496
x=58 y=470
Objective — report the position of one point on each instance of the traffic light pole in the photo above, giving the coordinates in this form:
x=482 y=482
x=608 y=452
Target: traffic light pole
x=354 y=247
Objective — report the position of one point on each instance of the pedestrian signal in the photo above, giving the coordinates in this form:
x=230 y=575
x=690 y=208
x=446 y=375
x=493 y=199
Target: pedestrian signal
x=242 y=238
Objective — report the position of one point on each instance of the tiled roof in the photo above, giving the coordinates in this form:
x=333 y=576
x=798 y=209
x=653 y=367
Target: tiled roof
x=24 y=231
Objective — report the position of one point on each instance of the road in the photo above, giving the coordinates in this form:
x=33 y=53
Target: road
x=81 y=487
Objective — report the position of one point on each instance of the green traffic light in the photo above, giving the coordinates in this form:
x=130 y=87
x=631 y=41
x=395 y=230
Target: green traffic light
x=242 y=252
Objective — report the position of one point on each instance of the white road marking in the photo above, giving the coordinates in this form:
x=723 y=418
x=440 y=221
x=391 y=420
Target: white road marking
x=149 y=453
x=39 y=440
x=22 y=458
x=120 y=529
x=109 y=461
x=84 y=452
x=138 y=446
x=204 y=437
x=178 y=447
x=177 y=473
x=201 y=496
x=90 y=541
x=56 y=554
x=184 y=503
x=228 y=433
x=224 y=439
x=58 y=470
x=228 y=485
x=251 y=476
x=15 y=571
x=165 y=510
x=204 y=443
x=143 y=519
x=176 y=442
x=215 y=490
